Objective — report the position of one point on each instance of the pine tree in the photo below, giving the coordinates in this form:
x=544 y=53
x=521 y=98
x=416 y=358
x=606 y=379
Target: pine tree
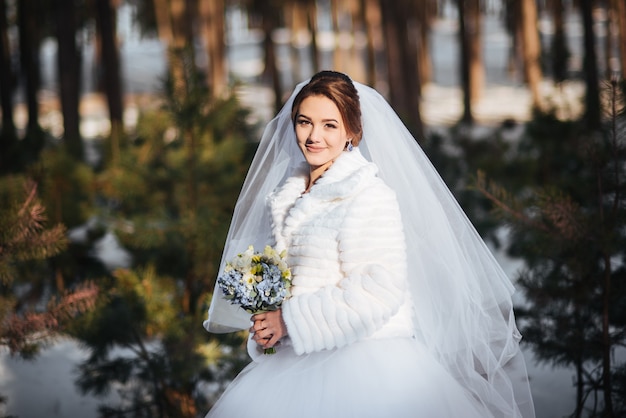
x=569 y=226
x=168 y=199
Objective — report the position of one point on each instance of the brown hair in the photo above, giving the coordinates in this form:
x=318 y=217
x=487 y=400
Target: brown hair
x=339 y=88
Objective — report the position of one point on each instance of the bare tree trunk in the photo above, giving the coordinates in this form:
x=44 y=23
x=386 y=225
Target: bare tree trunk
x=8 y=138
x=296 y=23
x=111 y=77
x=474 y=34
x=608 y=40
x=580 y=386
x=29 y=32
x=212 y=15
x=338 y=53
x=607 y=346
x=170 y=17
x=6 y=75
x=370 y=16
x=592 y=95
x=164 y=25
x=269 y=23
x=355 y=63
x=531 y=49
x=425 y=12
x=468 y=117
x=69 y=75
x=560 y=51
x=514 y=28
x=620 y=10
x=403 y=75
x=311 y=9
x=334 y=17
x=180 y=49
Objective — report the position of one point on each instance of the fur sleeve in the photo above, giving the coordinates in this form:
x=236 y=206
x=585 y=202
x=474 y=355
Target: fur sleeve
x=372 y=256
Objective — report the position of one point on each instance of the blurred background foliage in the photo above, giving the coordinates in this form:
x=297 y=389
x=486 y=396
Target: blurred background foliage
x=548 y=191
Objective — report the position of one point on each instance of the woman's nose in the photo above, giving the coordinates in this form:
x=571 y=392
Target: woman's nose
x=314 y=134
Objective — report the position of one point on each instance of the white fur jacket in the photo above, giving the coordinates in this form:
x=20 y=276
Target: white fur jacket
x=345 y=245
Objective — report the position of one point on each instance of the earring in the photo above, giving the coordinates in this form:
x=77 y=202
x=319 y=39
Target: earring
x=349 y=146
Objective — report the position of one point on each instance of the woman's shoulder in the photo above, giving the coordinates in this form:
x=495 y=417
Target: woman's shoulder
x=367 y=175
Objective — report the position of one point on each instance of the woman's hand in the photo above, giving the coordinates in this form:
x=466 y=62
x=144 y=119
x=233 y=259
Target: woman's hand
x=268 y=328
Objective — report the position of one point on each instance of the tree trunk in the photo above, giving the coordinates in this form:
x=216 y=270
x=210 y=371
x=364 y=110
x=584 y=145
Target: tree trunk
x=296 y=21
x=402 y=63
x=607 y=346
x=620 y=11
x=270 y=74
x=341 y=53
x=212 y=17
x=170 y=17
x=468 y=117
x=592 y=95
x=69 y=75
x=609 y=50
x=163 y=23
x=8 y=138
x=514 y=28
x=580 y=388
x=355 y=62
x=312 y=25
x=112 y=81
x=30 y=38
x=425 y=13
x=335 y=17
x=180 y=51
x=370 y=16
x=560 y=52
x=474 y=34
x=531 y=50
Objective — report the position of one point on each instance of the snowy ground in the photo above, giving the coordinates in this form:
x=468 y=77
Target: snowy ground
x=45 y=387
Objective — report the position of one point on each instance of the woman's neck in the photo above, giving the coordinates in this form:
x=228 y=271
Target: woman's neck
x=315 y=173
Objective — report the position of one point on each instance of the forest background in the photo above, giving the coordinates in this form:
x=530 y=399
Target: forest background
x=93 y=165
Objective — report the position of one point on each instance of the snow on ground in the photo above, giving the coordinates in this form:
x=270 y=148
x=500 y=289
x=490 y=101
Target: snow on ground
x=45 y=387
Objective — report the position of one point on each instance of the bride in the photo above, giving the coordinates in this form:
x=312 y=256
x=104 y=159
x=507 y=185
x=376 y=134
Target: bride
x=398 y=309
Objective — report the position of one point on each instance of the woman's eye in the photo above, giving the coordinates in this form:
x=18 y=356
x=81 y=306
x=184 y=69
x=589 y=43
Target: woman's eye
x=303 y=122
x=330 y=125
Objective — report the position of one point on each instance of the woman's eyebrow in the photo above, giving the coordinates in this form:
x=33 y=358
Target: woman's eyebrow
x=300 y=115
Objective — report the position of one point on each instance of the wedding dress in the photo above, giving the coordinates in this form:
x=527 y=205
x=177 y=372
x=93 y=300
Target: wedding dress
x=449 y=348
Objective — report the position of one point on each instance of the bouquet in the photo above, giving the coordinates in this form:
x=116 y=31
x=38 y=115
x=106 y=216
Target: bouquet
x=258 y=282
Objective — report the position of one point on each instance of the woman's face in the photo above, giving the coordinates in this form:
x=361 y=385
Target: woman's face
x=320 y=131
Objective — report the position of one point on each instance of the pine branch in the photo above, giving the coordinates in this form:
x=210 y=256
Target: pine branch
x=563 y=214
x=505 y=202
x=23 y=236
x=20 y=332
x=554 y=213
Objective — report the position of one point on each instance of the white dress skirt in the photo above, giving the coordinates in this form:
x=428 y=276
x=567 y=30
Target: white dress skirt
x=379 y=378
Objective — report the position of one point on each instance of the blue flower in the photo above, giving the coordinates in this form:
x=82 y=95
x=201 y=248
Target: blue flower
x=257 y=282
